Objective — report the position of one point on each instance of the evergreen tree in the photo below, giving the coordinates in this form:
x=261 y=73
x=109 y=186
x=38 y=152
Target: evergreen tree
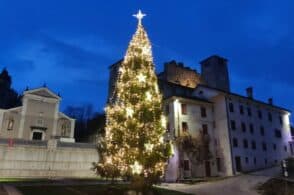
x=134 y=137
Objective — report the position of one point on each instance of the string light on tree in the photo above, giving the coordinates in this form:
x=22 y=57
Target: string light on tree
x=130 y=112
x=136 y=168
x=149 y=147
x=148 y=96
x=141 y=78
x=135 y=111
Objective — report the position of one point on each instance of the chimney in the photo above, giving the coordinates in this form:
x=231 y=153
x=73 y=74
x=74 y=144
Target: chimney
x=270 y=101
x=249 y=92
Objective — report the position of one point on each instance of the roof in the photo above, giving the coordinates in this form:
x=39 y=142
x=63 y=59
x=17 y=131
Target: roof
x=188 y=97
x=244 y=97
x=42 y=91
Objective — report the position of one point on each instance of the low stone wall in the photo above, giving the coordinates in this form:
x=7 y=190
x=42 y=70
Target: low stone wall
x=46 y=159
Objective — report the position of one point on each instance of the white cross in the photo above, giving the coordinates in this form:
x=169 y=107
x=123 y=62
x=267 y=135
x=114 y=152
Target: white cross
x=139 y=16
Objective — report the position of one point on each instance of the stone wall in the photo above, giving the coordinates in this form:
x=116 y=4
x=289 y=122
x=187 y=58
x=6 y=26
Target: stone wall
x=46 y=159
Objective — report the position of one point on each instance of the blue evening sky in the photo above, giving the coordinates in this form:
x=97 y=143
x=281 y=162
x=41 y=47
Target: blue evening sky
x=69 y=44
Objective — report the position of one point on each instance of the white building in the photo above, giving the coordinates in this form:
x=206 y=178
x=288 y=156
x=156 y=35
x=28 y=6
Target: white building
x=37 y=119
x=234 y=133
x=243 y=134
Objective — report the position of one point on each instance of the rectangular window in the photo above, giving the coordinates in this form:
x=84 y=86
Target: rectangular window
x=278 y=133
x=231 y=107
x=270 y=118
x=185 y=127
x=245 y=143
x=262 y=130
x=249 y=111
x=246 y=160
x=241 y=109
x=264 y=148
x=184 y=109
x=259 y=113
x=235 y=142
x=204 y=129
x=243 y=126
x=203 y=112
x=285 y=148
x=233 y=125
x=253 y=145
x=274 y=147
x=254 y=160
x=37 y=135
x=251 y=128
x=186 y=165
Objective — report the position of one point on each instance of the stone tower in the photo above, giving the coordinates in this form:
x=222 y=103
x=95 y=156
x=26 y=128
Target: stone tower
x=214 y=72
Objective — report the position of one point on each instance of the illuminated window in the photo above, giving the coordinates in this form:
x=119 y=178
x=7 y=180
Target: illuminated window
x=10 y=124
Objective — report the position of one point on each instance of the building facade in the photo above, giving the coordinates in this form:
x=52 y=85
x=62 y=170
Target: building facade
x=216 y=132
x=38 y=118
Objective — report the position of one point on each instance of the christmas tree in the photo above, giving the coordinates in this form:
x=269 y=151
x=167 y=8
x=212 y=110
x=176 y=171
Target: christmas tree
x=134 y=143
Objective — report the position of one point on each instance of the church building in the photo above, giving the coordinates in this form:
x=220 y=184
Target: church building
x=37 y=119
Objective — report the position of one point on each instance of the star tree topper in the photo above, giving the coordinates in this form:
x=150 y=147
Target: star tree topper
x=139 y=16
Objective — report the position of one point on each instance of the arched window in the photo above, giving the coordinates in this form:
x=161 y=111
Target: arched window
x=10 y=124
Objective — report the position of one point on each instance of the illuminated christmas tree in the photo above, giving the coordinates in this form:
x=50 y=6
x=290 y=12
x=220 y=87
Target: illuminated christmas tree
x=134 y=136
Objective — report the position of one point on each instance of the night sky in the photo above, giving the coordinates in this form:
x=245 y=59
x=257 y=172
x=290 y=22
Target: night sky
x=69 y=44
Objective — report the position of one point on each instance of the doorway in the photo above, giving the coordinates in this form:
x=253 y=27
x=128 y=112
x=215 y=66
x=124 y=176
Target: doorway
x=238 y=164
x=207 y=169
